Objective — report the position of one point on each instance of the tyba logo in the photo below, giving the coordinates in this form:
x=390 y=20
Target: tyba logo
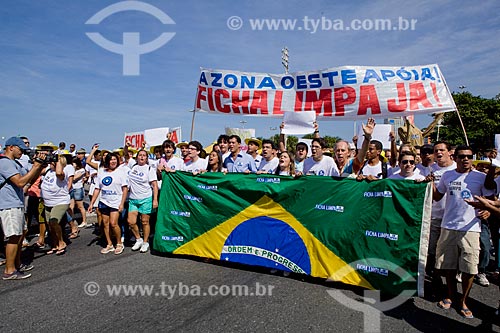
x=131 y=49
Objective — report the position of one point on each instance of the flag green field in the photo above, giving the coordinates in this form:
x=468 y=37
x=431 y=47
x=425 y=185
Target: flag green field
x=370 y=234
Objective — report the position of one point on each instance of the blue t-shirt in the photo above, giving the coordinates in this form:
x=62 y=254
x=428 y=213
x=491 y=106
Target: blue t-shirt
x=11 y=196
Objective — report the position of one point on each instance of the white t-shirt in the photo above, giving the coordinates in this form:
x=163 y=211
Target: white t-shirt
x=55 y=191
x=111 y=184
x=139 y=181
x=200 y=164
x=325 y=167
x=79 y=183
x=458 y=215
x=424 y=170
x=412 y=177
x=438 y=206
x=174 y=163
x=268 y=166
x=376 y=170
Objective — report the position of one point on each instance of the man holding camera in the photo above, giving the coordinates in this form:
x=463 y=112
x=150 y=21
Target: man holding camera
x=13 y=177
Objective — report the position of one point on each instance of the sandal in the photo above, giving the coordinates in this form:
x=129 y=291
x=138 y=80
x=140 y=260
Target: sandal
x=39 y=246
x=74 y=234
x=119 y=249
x=444 y=304
x=466 y=313
x=108 y=249
x=52 y=251
x=61 y=251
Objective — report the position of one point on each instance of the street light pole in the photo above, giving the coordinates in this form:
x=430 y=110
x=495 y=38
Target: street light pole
x=192 y=125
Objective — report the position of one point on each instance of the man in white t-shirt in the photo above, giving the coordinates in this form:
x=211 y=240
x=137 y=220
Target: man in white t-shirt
x=374 y=167
x=195 y=164
x=407 y=165
x=427 y=160
x=169 y=162
x=319 y=164
x=458 y=245
x=443 y=162
x=269 y=161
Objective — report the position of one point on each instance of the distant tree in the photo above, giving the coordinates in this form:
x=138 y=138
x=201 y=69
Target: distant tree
x=330 y=140
x=481 y=118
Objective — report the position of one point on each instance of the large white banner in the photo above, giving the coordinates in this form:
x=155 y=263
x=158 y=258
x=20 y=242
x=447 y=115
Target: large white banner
x=342 y=93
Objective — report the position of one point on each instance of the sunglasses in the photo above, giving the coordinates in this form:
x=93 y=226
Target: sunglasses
x=427 y=151
x=405 y=162
x=462 y=156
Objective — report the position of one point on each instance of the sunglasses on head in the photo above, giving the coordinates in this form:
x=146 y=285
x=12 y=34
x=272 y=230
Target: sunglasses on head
x=462 y=156
x=404 y=162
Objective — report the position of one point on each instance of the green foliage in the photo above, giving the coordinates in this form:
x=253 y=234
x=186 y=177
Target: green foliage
x=481 y=118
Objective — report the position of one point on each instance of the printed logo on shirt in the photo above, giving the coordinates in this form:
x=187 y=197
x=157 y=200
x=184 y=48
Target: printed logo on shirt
x=107 y=181
x=466 y=194
x=321 y=173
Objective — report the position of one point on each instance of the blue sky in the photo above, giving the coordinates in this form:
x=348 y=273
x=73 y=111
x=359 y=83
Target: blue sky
x=58 y=85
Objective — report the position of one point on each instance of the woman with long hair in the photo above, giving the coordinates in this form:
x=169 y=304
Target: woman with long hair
x=286 y=165
x=215 y=161
x=112 y=184
x=143 y=199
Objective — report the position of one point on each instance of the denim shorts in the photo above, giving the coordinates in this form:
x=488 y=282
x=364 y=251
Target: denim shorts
x=105 y=209
x=76 y=194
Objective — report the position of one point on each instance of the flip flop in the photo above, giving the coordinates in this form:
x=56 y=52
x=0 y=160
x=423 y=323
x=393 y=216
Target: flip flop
x=52 y=251
x=466 y=313
x=444 y=304
x=74 y=235
x=61 y=251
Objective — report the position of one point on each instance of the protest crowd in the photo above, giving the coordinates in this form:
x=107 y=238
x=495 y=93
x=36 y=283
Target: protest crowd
x=42 y=195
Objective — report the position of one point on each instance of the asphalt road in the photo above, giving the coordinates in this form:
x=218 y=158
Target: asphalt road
x=71 y=293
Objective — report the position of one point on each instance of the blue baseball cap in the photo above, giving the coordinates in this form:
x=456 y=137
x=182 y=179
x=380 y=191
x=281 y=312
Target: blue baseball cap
x=16 y=141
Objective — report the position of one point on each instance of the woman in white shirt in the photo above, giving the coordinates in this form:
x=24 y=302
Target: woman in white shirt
x=143 y=199
x=55 y=193
x=112 y=184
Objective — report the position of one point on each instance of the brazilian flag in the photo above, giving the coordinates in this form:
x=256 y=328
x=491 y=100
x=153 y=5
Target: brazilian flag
x=369 y=234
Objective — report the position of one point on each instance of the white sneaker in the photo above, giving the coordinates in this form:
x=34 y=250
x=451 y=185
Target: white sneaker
x=138 y=244
x=482 y=280
x=82 y=225
x=145 y=247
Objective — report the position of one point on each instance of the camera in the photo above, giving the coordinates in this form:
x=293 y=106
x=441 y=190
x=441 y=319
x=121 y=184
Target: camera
x=50 y=157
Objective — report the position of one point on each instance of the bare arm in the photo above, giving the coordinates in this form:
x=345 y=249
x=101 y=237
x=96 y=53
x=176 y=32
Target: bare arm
x=367 y=134
x=21 y=181
x=155 y=193
x=282 y=139
x=89 y=158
